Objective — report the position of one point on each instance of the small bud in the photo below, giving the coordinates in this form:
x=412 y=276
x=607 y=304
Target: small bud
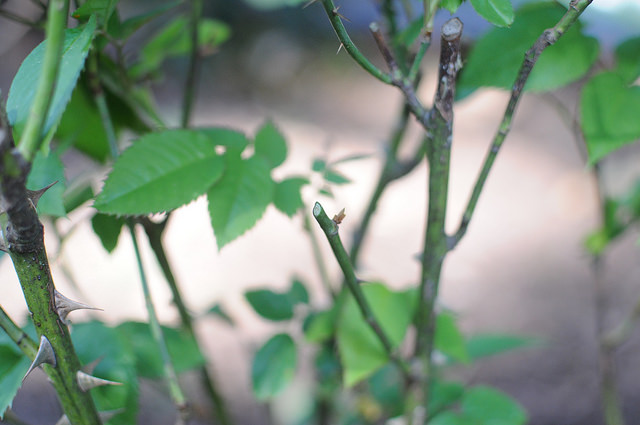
x=45 y=354
x=64 y=306
x=86 y=382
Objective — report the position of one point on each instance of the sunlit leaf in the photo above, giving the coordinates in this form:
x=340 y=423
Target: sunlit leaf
x=238 y=200
x=270 y=304
x=498 y=12
x=160 y=172
x=287 y=197
x=77 y=42
x=270 y=145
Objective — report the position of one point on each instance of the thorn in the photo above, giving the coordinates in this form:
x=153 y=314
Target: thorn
x=45 y=354
x=309 y=3
x=335 y=12
x=64 y=306
x=35 y=195
x=104 y=416
x=340 y=48
x=90 y=367
x=86 y=381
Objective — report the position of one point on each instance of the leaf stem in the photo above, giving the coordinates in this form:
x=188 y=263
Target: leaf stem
x=336 y=22
x=546 y=39
x=177 y=396
x=330 y=229
x=27 y=345
x=56 y=22
x=194 y=60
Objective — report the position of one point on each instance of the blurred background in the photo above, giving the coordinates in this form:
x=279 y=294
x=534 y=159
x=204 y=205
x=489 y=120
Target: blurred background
x=521 y=269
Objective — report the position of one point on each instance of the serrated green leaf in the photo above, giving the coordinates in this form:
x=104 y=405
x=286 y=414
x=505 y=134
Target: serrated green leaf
x=485 y=345
x=498 y=12
x=44 y=171
x=628 y=59
x=450 y=5
x=96 y=341
x=320 y=326
x=449 y=340
x=161 y=172
x=102 y=9
x=487 y=405
x=13 y=366
x=609 y=114
x=77 y=42
x=496 y=58
x=270 y=305
x=108 y=229
x=270 y=145
x=240 y=198
x=287 y=197
x=273 y=366
x=360 y=349
x=183 y=350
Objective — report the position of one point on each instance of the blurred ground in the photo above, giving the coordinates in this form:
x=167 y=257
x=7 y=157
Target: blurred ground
x=521 y=268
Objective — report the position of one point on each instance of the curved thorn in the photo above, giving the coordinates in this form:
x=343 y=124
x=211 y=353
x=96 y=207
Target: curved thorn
x=35 y=195
x=64 y=306
x=45 y=354
x=86 y=381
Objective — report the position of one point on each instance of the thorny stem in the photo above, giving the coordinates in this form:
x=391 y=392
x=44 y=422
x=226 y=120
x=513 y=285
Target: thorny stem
x=194 y=59
x=336 y=22
x=546 y=39
x=330 y=229
x=32 y=134
x=24 y=238
x=154 y=233
x=177 y=396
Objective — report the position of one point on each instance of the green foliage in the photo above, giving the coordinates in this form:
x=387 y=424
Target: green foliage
x=274 y=4
x=320 y=326
x=273 y=366
x=161 y=172
x=123 y=30
x=174 y=40
x=498 y=12
x=108 y=229
x=101 y=9
x=483 y=406
x=287 y=197
x=270 y=145
x=218 y=311
x=77 y=42
x=451 y=5
x=13 y=366
x=628 y=60
x=449 y=340
x=608 y=109
x=45 y=170
x=486 y=345
x=277 y=306
x=116 y=362
x=496 y=58
x=361 y=352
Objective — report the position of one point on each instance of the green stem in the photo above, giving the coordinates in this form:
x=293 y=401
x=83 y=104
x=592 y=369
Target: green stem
x=56 y=22
x=194 y=59
x=319 y=259
x=546 y=39
x=17 y=335
x=154 y=233
x=170 y=375
x=330 y=229
x=336 y=22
